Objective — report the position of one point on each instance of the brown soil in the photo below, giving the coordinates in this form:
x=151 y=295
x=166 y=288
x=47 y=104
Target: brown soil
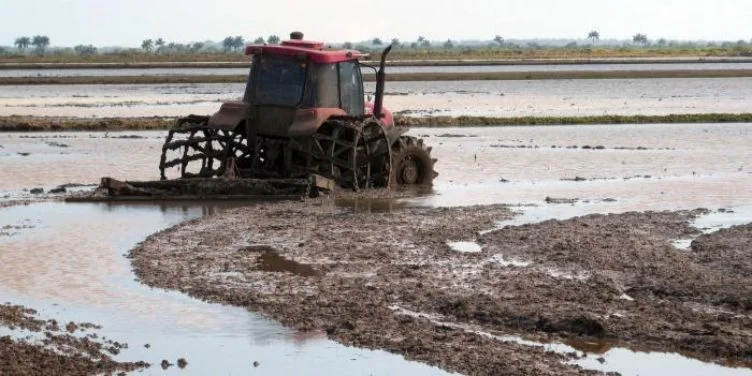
x=355 y=276
x=727 y=251
x=65 y=349
x=33 y=123
x=397 y=59
x=9 y=203
x=39 y=124
x=394 y=77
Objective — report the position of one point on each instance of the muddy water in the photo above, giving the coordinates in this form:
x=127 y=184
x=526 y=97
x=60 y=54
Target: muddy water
x=413 y=69
x=480 y=98
x=43 y=161
x=67 y=262
x=679 y=166
x=271 y=261
x=639 y=167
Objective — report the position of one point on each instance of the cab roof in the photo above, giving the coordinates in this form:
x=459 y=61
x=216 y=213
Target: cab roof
x=310 y=50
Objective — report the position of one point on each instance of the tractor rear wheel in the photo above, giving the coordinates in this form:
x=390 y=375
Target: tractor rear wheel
x=412 y=163
x=354 y=153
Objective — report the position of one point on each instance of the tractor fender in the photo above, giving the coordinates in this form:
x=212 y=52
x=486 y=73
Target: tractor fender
x=229 y=116
x=394 y=133
x=308 y=121
x=387 y=117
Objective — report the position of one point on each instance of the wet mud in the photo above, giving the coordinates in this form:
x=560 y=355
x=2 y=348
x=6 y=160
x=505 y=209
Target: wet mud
x=417 y=120
x=393 y=77
x=50 y=347
x=727 y=249
x=394 y=281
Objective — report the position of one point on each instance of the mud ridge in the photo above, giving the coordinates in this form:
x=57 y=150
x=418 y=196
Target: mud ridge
x=601 y=278
x=52 y=123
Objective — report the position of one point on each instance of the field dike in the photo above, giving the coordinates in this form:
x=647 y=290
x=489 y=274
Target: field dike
x=434 y=285
x=393 y=77
x=42 y=124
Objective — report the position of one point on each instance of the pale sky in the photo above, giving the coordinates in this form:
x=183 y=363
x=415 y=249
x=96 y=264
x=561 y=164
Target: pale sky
x=128 y=22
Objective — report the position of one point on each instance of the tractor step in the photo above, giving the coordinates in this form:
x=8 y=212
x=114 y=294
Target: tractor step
x=207 y=189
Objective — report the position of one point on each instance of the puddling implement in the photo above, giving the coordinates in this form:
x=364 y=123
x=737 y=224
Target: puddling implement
x=207 y=189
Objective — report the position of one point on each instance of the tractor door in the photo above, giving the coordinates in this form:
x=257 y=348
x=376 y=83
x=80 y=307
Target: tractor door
x=351 y=88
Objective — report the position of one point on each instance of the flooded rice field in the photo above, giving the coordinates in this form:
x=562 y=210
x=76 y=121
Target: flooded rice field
x=398 y=69
x=450 y=98
x=67 y=260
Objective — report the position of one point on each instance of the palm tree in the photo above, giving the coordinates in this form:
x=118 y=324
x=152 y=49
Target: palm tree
x=228 y=43
x=377 y=42
x=448 y=44
x=238 y=42
x=147 y=45
x=40 y=42
x=499 y=40
x=22 y=43
x=259 y=40
x=594 y=36
x=424 y=42
x=640 y=39
x=160 y=43
x=273 y=39
x=396 y=43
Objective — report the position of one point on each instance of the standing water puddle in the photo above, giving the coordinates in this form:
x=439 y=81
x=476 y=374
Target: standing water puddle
x=725 y=218
x=70 y=266
x=465 y=247
x=271 y=261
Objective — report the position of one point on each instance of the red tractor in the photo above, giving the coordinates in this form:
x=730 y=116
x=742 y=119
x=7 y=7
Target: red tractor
x=303 y=113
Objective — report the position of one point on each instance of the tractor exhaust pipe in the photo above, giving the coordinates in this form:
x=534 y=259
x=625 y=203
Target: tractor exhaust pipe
x=380 y=78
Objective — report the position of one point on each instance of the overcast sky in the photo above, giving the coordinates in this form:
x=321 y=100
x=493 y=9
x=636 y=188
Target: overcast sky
x=128 y=22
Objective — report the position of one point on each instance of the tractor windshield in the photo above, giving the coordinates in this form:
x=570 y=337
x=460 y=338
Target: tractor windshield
x=285 y=82
x=278 y=82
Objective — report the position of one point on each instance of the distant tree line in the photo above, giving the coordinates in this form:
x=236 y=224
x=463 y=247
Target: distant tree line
x=594 y=36
x=159 y=46
x=40 y=45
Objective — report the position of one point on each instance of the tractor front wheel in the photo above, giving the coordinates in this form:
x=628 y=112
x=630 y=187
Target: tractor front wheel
x=412 y=163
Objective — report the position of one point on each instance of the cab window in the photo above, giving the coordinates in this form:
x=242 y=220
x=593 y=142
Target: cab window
x=351 y=88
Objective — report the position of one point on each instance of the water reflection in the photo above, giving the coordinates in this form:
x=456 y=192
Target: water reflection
x=371 y=203
x=70 y=266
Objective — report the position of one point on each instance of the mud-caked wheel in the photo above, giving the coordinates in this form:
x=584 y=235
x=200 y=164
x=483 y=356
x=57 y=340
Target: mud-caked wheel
x=412 y=163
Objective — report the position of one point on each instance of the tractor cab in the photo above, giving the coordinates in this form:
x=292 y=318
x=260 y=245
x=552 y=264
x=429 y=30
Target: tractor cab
x=305 y=80
x=294 y=87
